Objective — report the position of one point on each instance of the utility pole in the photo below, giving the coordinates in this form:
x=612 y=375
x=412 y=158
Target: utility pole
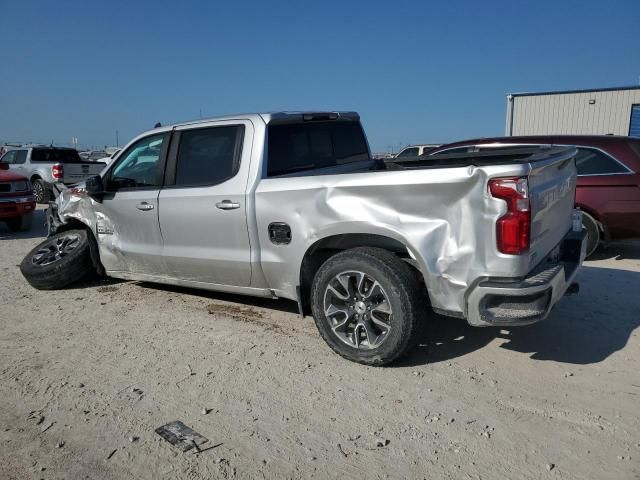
x=117 y=144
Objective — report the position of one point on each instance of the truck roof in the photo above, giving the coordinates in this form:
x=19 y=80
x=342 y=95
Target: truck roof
x=269 y=117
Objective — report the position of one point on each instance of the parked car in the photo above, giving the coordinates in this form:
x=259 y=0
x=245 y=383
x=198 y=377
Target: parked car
x=108 y=159
x=416 y=150
x=44 y=166
x=291 y=205
x=608 y=187
x=16 y=200
x=97 y=155
x=112 y=151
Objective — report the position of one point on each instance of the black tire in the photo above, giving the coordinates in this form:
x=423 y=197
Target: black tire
x=401 y=289
x=41 y=191
x=593 y=233
x=70 y=264
x=20 y=224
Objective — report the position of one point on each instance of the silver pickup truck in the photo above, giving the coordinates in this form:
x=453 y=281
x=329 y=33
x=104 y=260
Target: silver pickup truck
x=46 y=165
x=291 y=205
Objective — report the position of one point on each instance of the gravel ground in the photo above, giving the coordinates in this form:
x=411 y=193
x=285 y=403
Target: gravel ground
x=87 y=374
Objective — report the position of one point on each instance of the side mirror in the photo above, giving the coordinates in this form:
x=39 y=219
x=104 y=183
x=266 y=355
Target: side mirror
x=4 y=166
x=94 y=186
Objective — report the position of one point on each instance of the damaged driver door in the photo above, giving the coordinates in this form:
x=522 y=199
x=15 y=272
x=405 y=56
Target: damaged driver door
x=128 y=229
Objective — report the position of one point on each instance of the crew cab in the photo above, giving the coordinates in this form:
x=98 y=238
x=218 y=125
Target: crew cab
x=291 y=205
x=16 y=200
x=46 y=165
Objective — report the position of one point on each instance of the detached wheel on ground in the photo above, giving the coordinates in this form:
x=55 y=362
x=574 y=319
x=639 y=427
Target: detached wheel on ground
x=41 y=192
x=59 y=261
x=593 y=233
x=367 y=305
x=20 y=224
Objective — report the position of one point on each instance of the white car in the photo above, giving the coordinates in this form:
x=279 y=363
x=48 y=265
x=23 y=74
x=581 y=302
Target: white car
x=113 y=154
x=416 y=150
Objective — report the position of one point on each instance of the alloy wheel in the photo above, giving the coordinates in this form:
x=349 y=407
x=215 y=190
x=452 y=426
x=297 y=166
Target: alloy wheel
x=358 y=310
x=38 y=191
x=55 y=250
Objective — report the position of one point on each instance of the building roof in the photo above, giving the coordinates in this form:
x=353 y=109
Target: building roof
x=559 y=92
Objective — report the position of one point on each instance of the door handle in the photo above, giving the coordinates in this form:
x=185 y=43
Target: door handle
x=144 y=206
x=227 y=205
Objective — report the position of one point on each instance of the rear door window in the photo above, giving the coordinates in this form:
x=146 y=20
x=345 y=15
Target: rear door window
x=21 y=157
x=590 y=161
x=208 y=156
x=307 y=146
x=55 y=155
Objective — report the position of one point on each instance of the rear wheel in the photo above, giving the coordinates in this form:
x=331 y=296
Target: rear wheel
x=593 y=233
x=59 y=261
x=367 y=304
x=20 y=224
x=40 y=191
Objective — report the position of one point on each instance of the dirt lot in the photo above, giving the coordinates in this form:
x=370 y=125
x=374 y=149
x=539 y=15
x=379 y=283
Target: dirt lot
x=87 y=374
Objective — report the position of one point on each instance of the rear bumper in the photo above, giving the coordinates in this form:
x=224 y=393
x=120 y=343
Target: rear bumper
x=530 y=299
x=11 y=207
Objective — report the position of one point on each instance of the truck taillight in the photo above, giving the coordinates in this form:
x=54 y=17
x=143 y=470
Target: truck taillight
x=57 y=171
x=513 y=228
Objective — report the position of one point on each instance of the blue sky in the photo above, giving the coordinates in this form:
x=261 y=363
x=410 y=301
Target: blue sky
x=417 y=71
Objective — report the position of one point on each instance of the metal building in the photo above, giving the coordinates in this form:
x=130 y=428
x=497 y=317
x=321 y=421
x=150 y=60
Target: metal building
x=576 y=112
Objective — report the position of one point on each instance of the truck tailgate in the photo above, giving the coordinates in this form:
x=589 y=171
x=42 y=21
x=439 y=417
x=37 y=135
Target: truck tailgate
x=552 y=185
x=78 y=171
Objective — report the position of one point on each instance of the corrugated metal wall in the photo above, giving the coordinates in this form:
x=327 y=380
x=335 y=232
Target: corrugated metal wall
x=572 y=113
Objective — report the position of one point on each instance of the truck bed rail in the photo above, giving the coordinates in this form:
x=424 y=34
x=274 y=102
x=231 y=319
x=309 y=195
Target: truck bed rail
x=486 y=156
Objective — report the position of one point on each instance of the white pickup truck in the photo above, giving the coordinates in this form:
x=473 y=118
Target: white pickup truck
x=291 y=205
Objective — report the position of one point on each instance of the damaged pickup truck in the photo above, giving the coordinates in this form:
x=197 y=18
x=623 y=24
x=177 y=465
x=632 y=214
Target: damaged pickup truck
x=291 y=205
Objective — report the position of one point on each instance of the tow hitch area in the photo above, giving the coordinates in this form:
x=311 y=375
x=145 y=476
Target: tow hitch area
x=573 y=289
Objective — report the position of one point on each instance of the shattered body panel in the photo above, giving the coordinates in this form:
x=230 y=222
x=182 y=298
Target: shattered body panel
x=75 y=204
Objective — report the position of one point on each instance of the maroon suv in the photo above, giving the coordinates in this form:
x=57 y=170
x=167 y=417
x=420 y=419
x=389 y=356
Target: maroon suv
x=608 y=188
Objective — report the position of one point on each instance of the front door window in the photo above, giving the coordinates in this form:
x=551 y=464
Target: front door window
x=139 y=166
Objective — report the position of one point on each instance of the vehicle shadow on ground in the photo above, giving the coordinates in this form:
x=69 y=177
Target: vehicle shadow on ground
x=95 y=281
x=619 y=250
x=282 y=305
x=583 y=329
x=38 y=228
